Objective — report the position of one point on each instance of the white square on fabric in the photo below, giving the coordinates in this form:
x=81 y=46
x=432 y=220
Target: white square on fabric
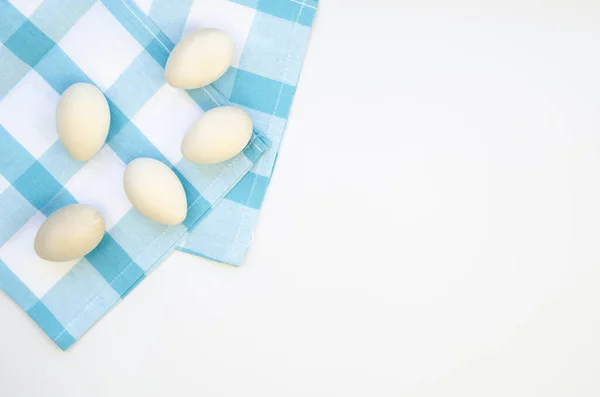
x=100 y=46
x=100 y=183
x=27 y=7
x=28 y=113
x=18 y=254
x=165 y=119
x=220 y=14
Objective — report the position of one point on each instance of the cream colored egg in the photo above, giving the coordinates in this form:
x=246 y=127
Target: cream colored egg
x=199 y=59
x=218 y=135
x=69 y=233
x=82 y=120
x=155 y=191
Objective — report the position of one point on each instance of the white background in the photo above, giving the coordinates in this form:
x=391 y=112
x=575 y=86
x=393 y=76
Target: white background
x=432 y=228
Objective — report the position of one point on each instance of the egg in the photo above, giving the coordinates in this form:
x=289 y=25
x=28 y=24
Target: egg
x=82 y=120
x=199 y=59
x=155 y=191
x=69 y=233
x=218 y=135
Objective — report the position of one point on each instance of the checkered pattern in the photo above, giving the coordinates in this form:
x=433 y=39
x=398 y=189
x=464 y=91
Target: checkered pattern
x=45 y=46
x=271 y=37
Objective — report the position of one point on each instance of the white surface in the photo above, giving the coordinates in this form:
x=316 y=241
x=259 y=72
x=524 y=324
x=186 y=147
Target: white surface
x=431 y=230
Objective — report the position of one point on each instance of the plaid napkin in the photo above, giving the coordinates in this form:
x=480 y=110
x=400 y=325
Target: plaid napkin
x=46 y=47
x=271 y=38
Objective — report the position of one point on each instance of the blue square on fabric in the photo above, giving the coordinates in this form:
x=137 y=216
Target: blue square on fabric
x=67 y=11
x=197 y=205
x=117 y=120
x=255 y=149
x=10 y=20
x=14 y=158
x=196 y=211
x=128 y=281
x=283 y=9
x=80 y=298
x=37 y=185
x=213 y=181
x=45 y=319
x=113 y=263
x=60 y=71
x=62 y=199
x=59 y=163
x=29 y=43
x=273 y=128
x=177 y=11
x=225 y=84
x=220 y=235
x=150 y=240
x=65 y=340
x=14 y=287
x=158 y=51
x=130 y=143
x=256 y=92
x=138 y=83
x=191 y=193
x=13 y=70
x=284 y=103
x=203 y=98
x=268 y=51
x=307 y=16
x=16 y=211
x=203 y=175
x=250 y=191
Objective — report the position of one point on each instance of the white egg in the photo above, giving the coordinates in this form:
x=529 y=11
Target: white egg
x=199 y=59
x=155 y=191
x=69 y=233
x=218 y=135
x=82 y=120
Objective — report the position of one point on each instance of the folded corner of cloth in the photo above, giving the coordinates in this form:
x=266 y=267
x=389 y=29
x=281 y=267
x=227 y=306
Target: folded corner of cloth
x=121 y=46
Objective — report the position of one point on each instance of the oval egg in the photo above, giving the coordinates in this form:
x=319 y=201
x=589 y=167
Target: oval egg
x=69 y=233
x=155 y=191
x=218 y=135
x=199 y=59
x=82 y=120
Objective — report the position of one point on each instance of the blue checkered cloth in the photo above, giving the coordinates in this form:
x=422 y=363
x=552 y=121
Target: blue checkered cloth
x=45 y=47
x=271 y=38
